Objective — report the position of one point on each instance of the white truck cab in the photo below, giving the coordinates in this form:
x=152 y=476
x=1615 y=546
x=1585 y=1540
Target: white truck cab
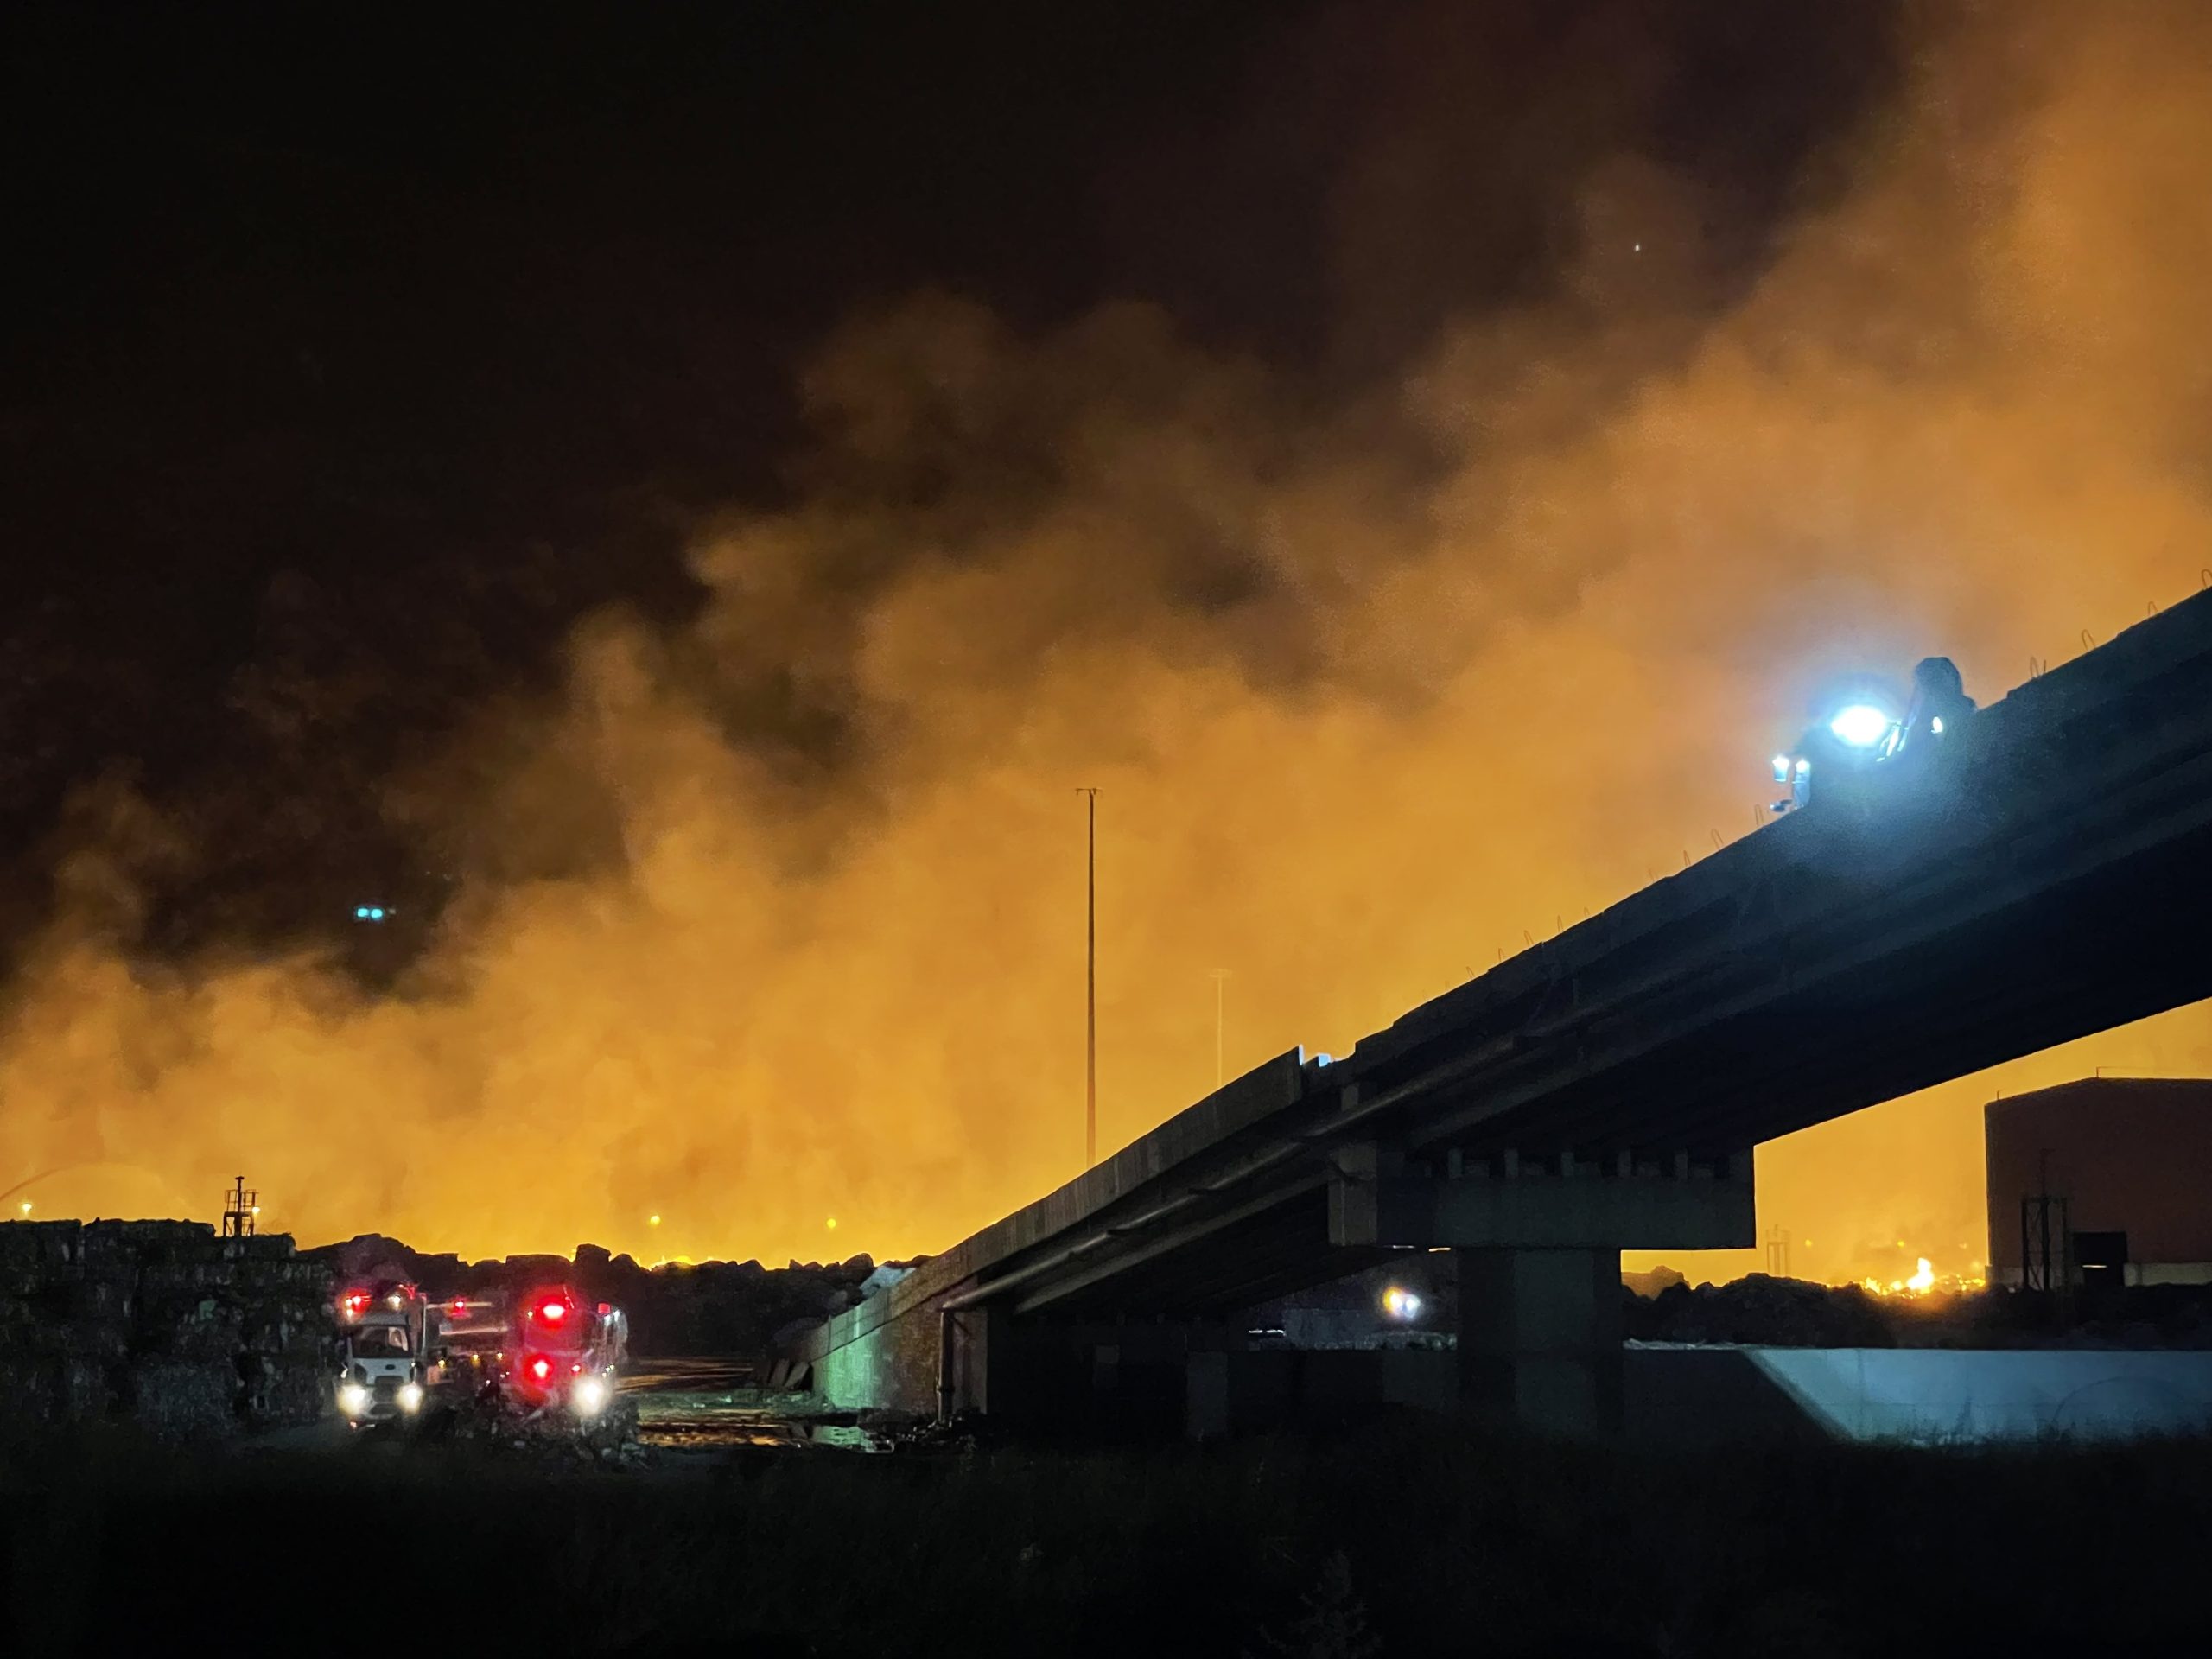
x=383 y=1360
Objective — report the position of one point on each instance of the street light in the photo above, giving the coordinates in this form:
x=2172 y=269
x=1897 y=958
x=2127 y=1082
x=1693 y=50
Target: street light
x=1219 y=975
x=1091 y=983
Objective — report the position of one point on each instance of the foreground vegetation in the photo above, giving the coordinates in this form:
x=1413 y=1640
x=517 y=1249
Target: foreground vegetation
x=1412 y=1536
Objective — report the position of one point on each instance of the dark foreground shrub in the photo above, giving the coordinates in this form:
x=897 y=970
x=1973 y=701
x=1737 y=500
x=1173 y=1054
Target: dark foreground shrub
x=1410 y=1538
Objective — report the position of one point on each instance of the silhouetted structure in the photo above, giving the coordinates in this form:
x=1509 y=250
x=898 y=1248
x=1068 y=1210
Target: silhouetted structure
x=2102 y=1181
x=240 y=1209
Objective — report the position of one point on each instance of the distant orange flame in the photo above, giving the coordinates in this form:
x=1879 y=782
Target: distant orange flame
x=1923 y=1282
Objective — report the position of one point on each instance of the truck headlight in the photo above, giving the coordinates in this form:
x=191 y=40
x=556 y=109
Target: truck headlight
x=411 y=1397
x=352 y=1398
x=588 y=1397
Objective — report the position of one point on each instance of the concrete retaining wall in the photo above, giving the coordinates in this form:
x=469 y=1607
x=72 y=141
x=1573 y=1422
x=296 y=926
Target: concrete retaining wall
x=888 y=1367
x=1934 y=1394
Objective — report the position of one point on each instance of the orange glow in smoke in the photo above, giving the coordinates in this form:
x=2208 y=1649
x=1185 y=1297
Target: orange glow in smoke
x=1504 y=639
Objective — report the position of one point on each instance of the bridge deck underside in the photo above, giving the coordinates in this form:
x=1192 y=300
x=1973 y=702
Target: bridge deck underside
x=1282 y=1248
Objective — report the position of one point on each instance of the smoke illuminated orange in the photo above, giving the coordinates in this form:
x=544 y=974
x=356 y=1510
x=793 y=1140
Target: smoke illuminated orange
x=1519 y=643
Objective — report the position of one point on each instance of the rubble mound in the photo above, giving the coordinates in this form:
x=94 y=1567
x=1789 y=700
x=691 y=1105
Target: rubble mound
x=965 y=1434
x=545 y=1434
x=1762 y=1311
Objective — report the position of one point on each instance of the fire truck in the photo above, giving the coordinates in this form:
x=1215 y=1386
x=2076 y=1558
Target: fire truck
x=469 y=1351
x=564 y=1353
x=383 y=1351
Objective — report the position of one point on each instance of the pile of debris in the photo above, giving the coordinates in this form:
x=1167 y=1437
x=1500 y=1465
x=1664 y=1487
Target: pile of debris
x=1763 y=1311
x=548 y=1433
x=964 y=1435
x=160 y=1323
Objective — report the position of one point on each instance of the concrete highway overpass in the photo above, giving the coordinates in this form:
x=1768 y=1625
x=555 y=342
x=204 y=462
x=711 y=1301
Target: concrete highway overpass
x=2044 y=876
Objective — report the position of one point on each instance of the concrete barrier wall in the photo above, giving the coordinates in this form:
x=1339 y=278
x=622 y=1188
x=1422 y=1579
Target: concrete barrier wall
x=1934 y=1396
x=1712 y=1396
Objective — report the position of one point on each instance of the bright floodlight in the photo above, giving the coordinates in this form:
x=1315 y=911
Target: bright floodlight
x=1861 y=724
x=1400 y=1304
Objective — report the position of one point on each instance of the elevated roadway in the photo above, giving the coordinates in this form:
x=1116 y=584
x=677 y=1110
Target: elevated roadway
x=2040 y=876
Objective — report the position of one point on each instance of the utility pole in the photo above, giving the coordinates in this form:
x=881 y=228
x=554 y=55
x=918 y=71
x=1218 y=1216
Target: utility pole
x=1219 y=974
x=1090 y=990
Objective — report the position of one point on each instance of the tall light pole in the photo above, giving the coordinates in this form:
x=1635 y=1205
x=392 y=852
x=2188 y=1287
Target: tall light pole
x=1219 y=974
x=1090 y=990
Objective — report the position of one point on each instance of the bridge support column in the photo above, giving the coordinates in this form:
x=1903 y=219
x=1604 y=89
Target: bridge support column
x=1540 y=1338
x=1109 y=1378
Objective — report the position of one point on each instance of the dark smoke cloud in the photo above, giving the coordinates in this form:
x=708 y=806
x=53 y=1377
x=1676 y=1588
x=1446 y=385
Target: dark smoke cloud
x=352 y=378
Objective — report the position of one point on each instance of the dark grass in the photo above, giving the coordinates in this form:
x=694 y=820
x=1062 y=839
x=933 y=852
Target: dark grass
x=1453 y=1541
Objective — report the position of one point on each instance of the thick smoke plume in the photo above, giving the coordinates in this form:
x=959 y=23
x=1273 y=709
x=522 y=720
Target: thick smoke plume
x=1373 y=689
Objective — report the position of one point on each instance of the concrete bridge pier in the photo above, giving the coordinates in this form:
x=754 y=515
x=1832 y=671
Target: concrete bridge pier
x=1537 y=1243
x=1106 y=1379
x=1540 y=1338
